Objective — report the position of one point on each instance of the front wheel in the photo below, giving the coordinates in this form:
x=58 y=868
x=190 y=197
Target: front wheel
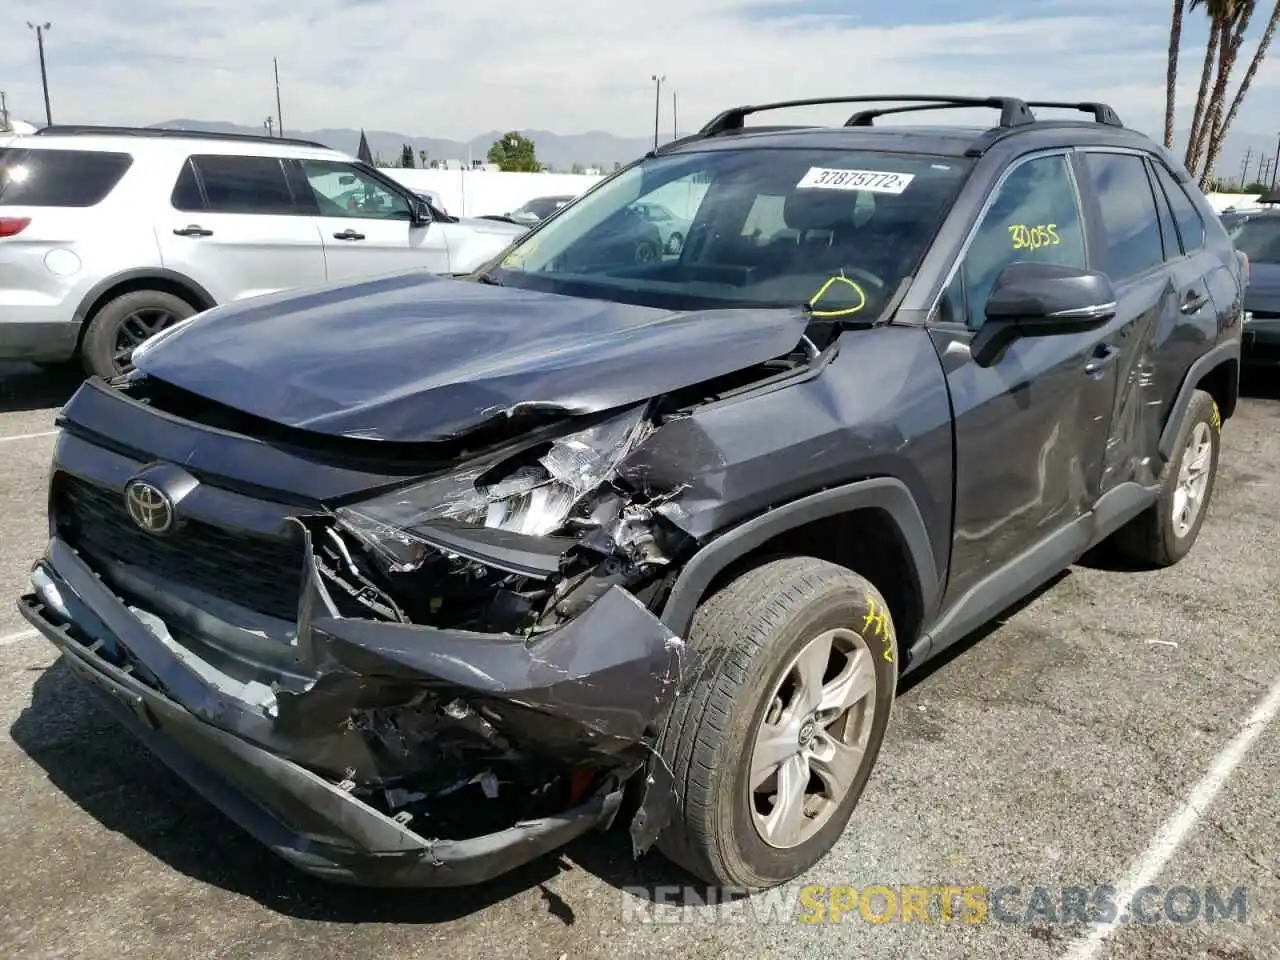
x=774 y=735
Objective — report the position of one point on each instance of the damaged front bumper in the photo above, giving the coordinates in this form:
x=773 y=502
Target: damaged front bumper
x=589 y=696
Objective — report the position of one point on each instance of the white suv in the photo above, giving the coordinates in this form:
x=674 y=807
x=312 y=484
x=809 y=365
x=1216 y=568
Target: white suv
x=108 y=234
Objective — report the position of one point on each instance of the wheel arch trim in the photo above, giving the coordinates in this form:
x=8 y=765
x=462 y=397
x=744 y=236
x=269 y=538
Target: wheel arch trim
x=1225 y=352
x=204 y=299
x=887 y=494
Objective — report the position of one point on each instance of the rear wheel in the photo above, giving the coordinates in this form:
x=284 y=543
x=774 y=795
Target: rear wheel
x=124 y=324
x=1165 y=533
x=776 y=730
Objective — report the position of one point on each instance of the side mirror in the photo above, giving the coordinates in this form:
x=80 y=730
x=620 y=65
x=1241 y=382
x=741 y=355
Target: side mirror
x=1041 y=300
x=422 y=211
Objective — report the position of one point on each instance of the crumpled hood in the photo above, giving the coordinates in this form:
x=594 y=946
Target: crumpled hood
x=417 y=357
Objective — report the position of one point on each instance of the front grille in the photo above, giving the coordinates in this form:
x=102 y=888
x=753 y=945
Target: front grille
x=257 y=572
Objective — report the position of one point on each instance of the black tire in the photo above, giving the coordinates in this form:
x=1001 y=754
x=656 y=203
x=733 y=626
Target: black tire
x=1152 y=538
x=98 y=348
x=741 y=641
x=646 y=252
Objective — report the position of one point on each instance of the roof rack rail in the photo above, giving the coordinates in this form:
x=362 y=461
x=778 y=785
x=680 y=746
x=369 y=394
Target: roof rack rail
x=1102 y=113
x=74 y=130
x=866 y=118
x=1013 y=112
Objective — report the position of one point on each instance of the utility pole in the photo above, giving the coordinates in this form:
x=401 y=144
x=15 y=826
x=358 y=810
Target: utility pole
x=1263 y=160
x=4 y=112
x=675 y=116
x=267 y=124
x=1244 y=168
x=1275 y=166
x=40 y=28
x=657 y=104
x=275 y=63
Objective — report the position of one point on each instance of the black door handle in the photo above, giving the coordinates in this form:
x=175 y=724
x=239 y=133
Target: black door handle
x=193 y=230
x=1102 y=358
x=348 y=234
x=1193 y=301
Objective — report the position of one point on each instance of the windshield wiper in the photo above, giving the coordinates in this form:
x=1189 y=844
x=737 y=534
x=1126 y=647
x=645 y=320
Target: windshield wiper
x=488 y=278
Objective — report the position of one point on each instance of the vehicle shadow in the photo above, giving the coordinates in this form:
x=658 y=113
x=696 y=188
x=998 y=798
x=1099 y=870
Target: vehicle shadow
x=90 y=759
x=25 y=387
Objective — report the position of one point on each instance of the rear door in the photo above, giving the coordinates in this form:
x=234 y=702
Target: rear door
x=234 y=227
x=367 y=227
x=1165 y=311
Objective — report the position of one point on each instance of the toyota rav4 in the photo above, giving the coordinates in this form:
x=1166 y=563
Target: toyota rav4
x=419 y=578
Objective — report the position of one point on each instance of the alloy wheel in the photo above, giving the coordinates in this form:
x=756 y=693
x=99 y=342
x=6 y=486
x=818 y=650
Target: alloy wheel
x=1193 y=479
x=812 y=738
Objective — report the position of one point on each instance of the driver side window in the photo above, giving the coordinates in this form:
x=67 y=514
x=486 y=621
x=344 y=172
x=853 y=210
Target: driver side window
x=1034 y=216
x=343 y=191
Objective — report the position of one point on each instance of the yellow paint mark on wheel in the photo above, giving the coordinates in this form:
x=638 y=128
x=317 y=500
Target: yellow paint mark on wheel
x=876 y=624
x=1216 y=418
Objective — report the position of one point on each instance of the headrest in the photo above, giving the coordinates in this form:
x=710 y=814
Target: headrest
x=818 y=209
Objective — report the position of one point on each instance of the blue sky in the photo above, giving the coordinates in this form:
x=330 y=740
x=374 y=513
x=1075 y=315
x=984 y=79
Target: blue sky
x=459 y=69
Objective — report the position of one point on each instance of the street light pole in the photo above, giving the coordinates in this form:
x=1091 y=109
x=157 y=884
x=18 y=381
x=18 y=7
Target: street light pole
x=40 y=28
x=657 y=105
x=675 y=116
x=275 y=63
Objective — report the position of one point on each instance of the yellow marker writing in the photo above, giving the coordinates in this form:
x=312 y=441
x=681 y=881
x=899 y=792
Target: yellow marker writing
x=844 y=311
x=877 y=623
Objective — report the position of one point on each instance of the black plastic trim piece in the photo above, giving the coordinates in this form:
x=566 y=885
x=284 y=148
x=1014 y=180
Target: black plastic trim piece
x=882 y=493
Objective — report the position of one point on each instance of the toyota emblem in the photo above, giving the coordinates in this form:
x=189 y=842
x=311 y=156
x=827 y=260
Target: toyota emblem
x=149 y=507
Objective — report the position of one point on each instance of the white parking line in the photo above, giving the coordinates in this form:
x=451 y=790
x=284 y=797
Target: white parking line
x=21 y=635
x=1179 y=826
x=29 y=436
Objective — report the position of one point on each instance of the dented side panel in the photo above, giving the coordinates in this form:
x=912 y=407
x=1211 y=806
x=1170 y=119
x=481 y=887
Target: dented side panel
x=879 y=408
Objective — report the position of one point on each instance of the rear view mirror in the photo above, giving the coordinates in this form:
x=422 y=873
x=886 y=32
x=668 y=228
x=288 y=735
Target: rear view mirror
x=347 y=179
x=1040 y=300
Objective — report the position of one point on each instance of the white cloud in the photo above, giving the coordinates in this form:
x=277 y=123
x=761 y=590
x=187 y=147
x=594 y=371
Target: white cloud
x=459 y=69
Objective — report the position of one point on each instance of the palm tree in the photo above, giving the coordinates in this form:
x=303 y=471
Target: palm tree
x=1220 y=132
x=1171 y=72
x=1228 y=22
x=1217 y=11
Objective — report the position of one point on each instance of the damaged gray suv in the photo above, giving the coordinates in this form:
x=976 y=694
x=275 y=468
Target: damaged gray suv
x=420 y=578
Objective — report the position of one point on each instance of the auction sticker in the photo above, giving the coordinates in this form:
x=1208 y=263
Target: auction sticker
x=873 y=181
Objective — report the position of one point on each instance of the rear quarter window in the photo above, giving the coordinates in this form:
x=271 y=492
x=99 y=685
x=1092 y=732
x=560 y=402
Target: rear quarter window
x=59 y=178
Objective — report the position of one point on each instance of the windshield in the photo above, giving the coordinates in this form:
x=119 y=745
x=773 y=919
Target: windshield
x=762 y=227
x=1258 y=238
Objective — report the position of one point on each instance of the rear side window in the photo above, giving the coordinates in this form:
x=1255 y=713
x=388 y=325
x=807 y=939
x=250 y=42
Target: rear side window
x=254 y=185
x=59 y=178
x=1190 y=223
x=1129 y=218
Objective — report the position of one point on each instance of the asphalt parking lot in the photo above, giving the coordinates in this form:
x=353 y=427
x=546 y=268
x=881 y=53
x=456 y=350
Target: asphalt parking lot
x=1116 y=730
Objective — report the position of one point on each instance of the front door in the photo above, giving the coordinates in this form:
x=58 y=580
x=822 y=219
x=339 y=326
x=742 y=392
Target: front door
x=368 y=228
x=1030 y=430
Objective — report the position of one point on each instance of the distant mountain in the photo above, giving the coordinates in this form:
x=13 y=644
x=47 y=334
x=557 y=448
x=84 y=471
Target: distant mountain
x=559 y=151
x=603 y=149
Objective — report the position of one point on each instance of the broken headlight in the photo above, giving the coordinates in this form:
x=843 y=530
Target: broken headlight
x=534 y=493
